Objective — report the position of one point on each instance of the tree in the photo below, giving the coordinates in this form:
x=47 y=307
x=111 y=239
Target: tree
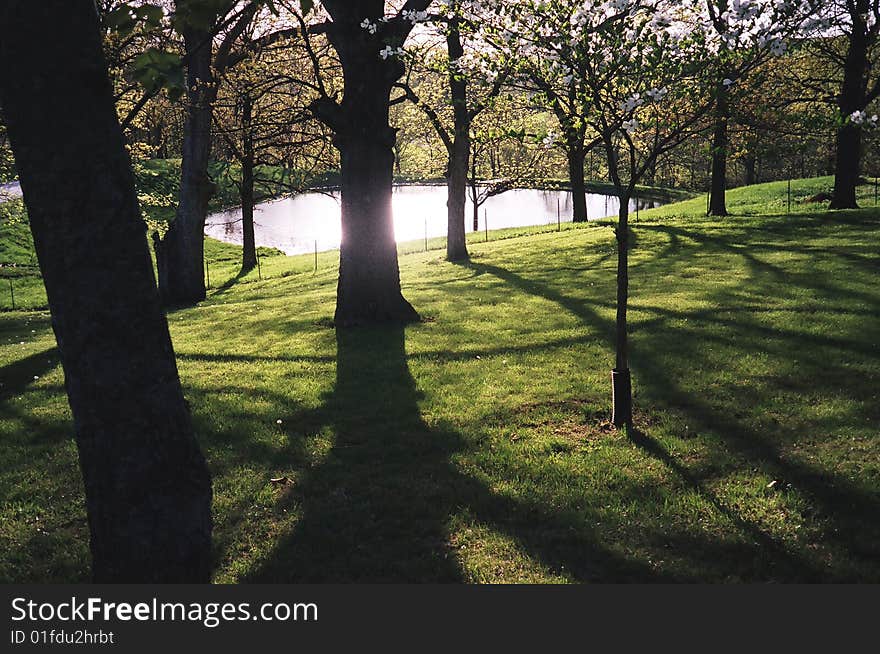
x=640 y=66
x=148 y=489
x=262 y=119
x=368 y=45
x=543 y=39
x=472 y=87
x=181 y=252
x=502 y=159
x=742 y=35
x=859 y=23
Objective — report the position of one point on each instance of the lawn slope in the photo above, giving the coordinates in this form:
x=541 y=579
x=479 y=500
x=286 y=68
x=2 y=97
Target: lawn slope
x=475 y=446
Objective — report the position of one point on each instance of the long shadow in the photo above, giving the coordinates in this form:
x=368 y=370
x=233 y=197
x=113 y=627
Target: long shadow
x=759 y=267
x=845 y=505
x=379 y=506
x=17 y=376
x=580 y=308
x=787 y=564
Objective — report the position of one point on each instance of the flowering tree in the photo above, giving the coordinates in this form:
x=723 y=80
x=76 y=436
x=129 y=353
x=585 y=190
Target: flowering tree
x=368 y=38
x=741 y=35
x=547 y=43
x=649 y=68
x=474 y=80
x=857 y=24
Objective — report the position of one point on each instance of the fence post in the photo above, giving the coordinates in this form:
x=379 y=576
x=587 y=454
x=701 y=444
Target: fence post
x=207 y=275
x=558 y=216
x=789 y=194
x=876 y=182
x=259 y=268
x=12 y=293
x=486 y=223
x=316 y=256
x=426 y=234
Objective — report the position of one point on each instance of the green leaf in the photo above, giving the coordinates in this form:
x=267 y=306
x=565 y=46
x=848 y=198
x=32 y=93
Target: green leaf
x=156 y=69
x=151 y=15
x=120 y=20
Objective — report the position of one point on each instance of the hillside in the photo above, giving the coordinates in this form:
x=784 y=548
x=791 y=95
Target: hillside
x=475 y=446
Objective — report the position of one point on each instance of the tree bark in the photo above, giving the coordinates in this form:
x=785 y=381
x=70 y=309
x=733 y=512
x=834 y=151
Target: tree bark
x=718 y=195
x=575 y=154
x=475 y=204
x=246 y=194
x=148 y=489
x=750 y=163
x=184 y=243
x=456 y=203
x=847 y=165
x=368 y=291
x=621 y=382
x=456 y=242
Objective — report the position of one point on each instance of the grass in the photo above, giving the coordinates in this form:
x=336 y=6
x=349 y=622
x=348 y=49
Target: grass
x=475 y=446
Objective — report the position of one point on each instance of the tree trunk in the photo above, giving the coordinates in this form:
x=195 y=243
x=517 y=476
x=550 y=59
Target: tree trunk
x=368 y=291
x=475 y=204
x=369 y=279
x=621 y=382
x=456 y=242
x=750 y=163
x=718 y=199
x=847 y=166
x=184 y=244
x=249 y=247
x=575 y=154
x=148 y=489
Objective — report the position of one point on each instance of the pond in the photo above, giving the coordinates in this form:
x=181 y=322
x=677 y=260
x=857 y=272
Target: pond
x=299 y=224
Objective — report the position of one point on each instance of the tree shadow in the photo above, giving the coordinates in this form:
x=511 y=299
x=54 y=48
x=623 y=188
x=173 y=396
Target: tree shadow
x=378 y=508
x=18 y=375
x=844 y=505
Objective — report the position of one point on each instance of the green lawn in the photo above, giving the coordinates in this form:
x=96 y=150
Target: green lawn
x=475 y=446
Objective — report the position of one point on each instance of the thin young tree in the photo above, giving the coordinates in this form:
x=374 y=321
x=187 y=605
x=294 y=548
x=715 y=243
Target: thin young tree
x=472 y=87
x=263 y=125
x=148 y=489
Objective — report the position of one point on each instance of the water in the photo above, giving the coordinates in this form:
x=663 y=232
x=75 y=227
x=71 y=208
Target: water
x=294 y=225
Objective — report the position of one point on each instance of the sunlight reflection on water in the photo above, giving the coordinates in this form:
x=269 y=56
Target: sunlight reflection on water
x=295 y=225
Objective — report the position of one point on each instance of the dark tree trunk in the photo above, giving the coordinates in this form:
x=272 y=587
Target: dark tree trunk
x=750 y=163
x=148 y=490
x=847 y=167
x=184 y=244
x=249 y=247
x=369 y=278
x=852 y=98
x=456 y=243
x=575 y=154
x=621 y=382
x=718 y=196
